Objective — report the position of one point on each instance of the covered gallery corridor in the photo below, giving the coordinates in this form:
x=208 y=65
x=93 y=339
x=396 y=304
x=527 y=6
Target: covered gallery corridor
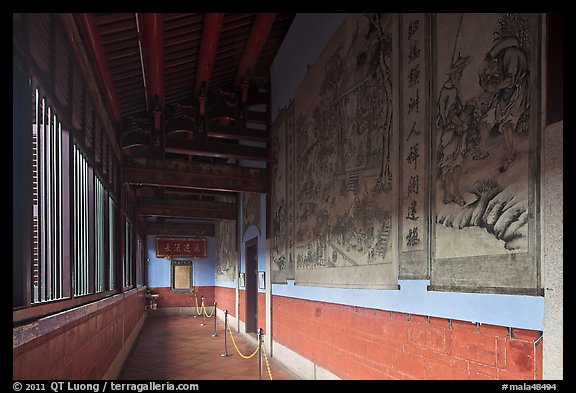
x=181 y=348
x=371 y=196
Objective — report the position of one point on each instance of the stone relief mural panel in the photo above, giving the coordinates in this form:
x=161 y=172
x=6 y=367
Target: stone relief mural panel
x=226 y=253
x=487 y=124
x=411 y=150
x=279 y=235
x=250 y=210
x=344 y=187
x=414 y=142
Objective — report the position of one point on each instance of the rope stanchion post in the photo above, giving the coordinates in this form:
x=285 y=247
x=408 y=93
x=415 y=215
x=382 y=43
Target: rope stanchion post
x=259 y=353
x=203 y=313
x=196 y=301
x=206 y=312
x=225 y=353
x=236 y=346
x=259 y=349
x=215 y=334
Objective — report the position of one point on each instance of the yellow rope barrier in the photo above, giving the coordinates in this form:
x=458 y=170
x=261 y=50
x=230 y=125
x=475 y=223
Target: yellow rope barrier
x=206 y=313
x=235 y=346
x=266 y=359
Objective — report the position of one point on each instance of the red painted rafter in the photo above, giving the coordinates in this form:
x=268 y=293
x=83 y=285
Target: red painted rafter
x=97 y=49
x=258 y=35
x=153 y=41
x=209 y=45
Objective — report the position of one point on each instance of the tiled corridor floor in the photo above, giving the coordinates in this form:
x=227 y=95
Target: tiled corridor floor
x=172 y=348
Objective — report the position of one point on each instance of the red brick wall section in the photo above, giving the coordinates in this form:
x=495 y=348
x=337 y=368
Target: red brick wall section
x=226 y=299
x=361 y=343
x=242 y=305
x=169 y=299
x=83 y=349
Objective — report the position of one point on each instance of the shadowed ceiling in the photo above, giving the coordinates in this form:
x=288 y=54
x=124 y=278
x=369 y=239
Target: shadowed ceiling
x=190 y=95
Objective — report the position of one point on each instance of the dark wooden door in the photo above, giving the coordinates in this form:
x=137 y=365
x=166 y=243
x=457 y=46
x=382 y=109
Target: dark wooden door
x=251 y=286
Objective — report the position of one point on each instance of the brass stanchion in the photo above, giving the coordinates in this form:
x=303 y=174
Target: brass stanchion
x=225 y=341
x=259 y=353
x=203 y=313
x=215 y=334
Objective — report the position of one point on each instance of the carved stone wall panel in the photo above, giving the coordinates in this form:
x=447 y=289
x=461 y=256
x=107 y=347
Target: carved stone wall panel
x=412 y=151
x=345 y=146
x=486 y=112
x=290 y=193
x=279 y=231
x=414 y=141
x=251 y=210
x=226 y=250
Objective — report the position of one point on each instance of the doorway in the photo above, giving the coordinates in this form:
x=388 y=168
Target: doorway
x=251 y=319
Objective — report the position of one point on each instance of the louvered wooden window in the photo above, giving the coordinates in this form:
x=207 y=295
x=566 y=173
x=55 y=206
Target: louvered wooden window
x=100 y=216
x=128 y=254
x=67 y=218
x=47 y=225
x=112 y=242
x=81 y=224
x=130 y=248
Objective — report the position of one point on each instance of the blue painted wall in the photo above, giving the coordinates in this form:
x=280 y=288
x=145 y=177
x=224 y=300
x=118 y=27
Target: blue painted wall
x=525 y=312
x=303 y=44
x=159 y=268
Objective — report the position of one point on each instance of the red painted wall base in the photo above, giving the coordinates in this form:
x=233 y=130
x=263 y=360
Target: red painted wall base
x=80 y=348
x=226 y=299
x=362 y=343
x=169 y=299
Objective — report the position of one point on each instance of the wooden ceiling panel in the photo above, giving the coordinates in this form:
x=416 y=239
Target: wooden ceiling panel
x=125 y=54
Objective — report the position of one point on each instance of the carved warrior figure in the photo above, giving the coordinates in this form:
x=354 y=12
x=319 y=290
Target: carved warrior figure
x=453 y=122
x=504 y=74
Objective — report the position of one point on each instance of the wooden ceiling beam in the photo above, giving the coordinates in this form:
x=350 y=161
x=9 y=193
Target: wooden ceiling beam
x=97 y=49
x=182 y=229
x=209 y=45
x=204 y=210
x=217 y=131
x=215 y=149
x=203 y=176
x=153 y=51
x=258 y=35
x=199 y=193
x=240 y=133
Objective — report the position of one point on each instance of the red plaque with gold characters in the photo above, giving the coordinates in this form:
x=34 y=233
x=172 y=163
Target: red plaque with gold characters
x=180 y=247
